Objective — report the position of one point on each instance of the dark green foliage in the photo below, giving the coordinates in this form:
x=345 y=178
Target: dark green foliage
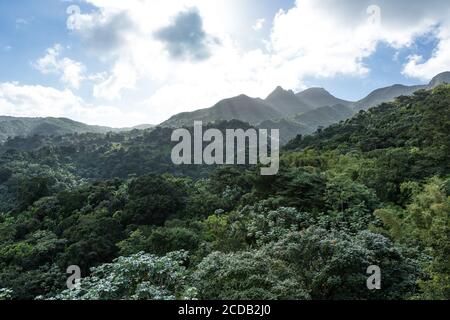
x=298 y=187
x=152 y=200
x=332 y=265
x=250 y=275
x=160 y=241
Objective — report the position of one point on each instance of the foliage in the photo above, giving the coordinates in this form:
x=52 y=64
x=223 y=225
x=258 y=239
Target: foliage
x=5 y=294
x=426 y=223
x=246 y=276
x=137 y=277
x=373 y=190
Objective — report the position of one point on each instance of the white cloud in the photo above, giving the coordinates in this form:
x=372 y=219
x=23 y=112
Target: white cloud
x=38 y=101
x=314 y=38
x=418 y=67
x=71 y=72
x=143 y=82
x=141 y=60
x=332 y=37
x=326 y=38
x=259 y=24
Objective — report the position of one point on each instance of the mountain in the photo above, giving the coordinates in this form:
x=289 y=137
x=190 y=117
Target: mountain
x=104 y=156
x=298 y=114
x=374 y=188
x=319 y=97
x=294 y=114
x=390 y=93
x=414 y=127
x=307 y=123
x=12 y=127
x=385 y=95
x=441 y=78
x=138 y=127
x=286 y=102
x=280 y=104
x=243 y=108
x=289 y=129
x=325 y=116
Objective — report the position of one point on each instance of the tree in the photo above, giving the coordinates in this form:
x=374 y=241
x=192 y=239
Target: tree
x=426 y=223
x=160 y=241
x=249 y=275
x=332 y=265
x=152 y=200
x=137 y=277
x=92 y=240
x=5 y=294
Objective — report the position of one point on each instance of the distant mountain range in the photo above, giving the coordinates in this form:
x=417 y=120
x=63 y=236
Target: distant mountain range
x=293 y=113
x=14 y=126
x=296 y=113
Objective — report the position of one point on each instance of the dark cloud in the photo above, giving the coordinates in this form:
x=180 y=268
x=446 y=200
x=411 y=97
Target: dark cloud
x=185 y=37
x=107 y=34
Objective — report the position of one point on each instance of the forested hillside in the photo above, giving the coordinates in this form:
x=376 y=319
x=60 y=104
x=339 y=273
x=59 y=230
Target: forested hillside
x=373 y=190
x=11 y=127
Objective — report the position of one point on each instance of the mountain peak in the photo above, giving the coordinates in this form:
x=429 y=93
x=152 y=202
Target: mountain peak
x=287 y=102
x=279 y=88
x=441 y=78
x=279 y=92
x=316 y=90
x=319 y=97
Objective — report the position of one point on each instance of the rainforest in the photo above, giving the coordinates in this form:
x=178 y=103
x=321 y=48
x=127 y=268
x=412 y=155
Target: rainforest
x=373 y=190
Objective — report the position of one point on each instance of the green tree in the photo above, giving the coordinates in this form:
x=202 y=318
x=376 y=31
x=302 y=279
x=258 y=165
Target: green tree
x=137 y=277
x=152 y=200
x=426 y=223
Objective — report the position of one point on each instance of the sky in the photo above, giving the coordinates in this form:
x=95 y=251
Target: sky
x=124 y=63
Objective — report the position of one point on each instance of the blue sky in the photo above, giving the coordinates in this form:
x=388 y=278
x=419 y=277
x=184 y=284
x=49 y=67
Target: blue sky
x=131 y=62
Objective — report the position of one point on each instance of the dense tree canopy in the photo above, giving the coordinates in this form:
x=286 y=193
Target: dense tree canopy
x=374 y=190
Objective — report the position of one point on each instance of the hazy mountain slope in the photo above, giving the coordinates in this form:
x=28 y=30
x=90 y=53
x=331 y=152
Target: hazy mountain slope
x=243 y=108
x=280 y=104
x=324 y=116
x=144 y=126
x=287 y=103
x=308 y=122
x=415 y=123
x=303 y=112
x=319 y=97
x=390 y=93
x=289 y=129
x=12 y=127
x=18 y=126
x=385 y=95
x=441 y=78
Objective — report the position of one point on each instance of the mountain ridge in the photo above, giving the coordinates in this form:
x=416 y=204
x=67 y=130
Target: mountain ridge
x=389 y=93
x=303 y=112
x=319 y=97
x=295 y=113
x=287 y=102
x=11 y=127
